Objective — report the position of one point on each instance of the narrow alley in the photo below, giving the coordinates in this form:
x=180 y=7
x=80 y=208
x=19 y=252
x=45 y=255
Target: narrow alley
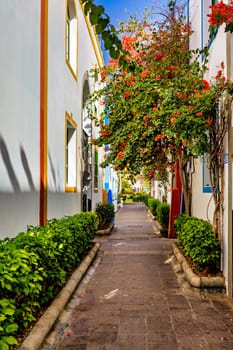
x=133 y=300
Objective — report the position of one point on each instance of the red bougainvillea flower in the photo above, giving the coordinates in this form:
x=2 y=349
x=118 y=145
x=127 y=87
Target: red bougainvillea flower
x=129 y=134
x=128 y=41
x=170 y=68
x=159 y=137
x=221 y=13
x=173 y=120
x=120 y=155
x=126 y=94
x=178 y=113
x=159 y=57
x=209 y=121
x=158 y=77
x=113 y=62
x=144 y=74
x=146 y=116
x=205 y=84
x=181 y=96
x=148 y=123
x=130 y=83
x=106 y=132
x=199 y=114
x=219 y=74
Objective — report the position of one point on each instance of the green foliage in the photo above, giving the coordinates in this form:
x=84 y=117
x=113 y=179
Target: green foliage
x=196 y=238
x=8 y=325
x=141 y=197
x=105 y=212
x=153 y=203
x=162 y=214
x=163 y=110
x=101 y=22
x=34 y=266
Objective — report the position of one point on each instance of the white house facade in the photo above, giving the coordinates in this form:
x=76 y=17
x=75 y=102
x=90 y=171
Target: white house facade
x=47 y=50
x=220 y=50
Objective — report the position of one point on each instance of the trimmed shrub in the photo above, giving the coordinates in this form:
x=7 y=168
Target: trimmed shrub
x=34 y=267
x=153 y=203
x=196 y=238
x=141 y=197
x=105 y=212
x=162 y=213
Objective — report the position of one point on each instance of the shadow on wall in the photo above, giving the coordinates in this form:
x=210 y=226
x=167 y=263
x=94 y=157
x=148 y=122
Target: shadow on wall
x=55 y=174
x=10 y=170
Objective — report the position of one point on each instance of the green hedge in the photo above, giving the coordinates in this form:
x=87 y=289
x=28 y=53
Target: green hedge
x=162 y=214
x=153 y=203
x=105 y=212
x=35 y=265
x=196 y=238
x=141 y=197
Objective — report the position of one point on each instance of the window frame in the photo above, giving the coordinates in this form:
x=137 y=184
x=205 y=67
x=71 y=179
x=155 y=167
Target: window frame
x=68 y=39
x=96 y=169
x=70 y=121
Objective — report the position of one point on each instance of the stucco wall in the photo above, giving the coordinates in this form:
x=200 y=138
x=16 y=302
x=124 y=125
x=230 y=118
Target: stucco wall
x=19 y=115
x=20 y=111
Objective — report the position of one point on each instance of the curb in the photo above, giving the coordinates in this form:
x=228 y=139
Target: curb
x=41 y=329
x=107 y=231
x=193 y=279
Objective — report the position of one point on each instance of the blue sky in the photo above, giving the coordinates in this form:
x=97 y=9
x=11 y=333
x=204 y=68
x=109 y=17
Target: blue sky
x=120 y=10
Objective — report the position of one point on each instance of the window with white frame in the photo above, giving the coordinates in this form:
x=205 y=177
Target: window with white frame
x=71 y=37
x=96 y=169
x=70 y=154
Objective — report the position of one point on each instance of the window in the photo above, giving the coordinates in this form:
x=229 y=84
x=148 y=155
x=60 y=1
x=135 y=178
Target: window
x=206 y=177
x=205 y=34
x=205 y=169
x=96 y=169
x=70 y=155
x=71 y=37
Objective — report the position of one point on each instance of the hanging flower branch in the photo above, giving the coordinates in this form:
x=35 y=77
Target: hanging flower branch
x=221 y=14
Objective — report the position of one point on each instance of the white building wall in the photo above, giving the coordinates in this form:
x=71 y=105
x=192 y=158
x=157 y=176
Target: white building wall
x=202 y=203
x=65 y=95
x=20 y=111
x=19 y=115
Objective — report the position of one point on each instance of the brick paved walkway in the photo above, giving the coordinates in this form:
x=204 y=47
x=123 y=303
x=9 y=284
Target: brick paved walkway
x=134 y=302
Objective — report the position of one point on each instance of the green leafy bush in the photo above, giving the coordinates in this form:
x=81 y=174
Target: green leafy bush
x=196 y=238
x=34 y=266
x=141 y=197
x=153 y=203
x=8 y=325
x=162 y=214
x=105 y=212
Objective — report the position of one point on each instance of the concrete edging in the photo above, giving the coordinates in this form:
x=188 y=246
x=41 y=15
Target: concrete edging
x=107 y=231
x=41 y=329
x=193 y=279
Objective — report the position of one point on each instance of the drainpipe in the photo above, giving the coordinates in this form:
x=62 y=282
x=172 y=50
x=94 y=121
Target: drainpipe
x=229 y=187
x=43 y=110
